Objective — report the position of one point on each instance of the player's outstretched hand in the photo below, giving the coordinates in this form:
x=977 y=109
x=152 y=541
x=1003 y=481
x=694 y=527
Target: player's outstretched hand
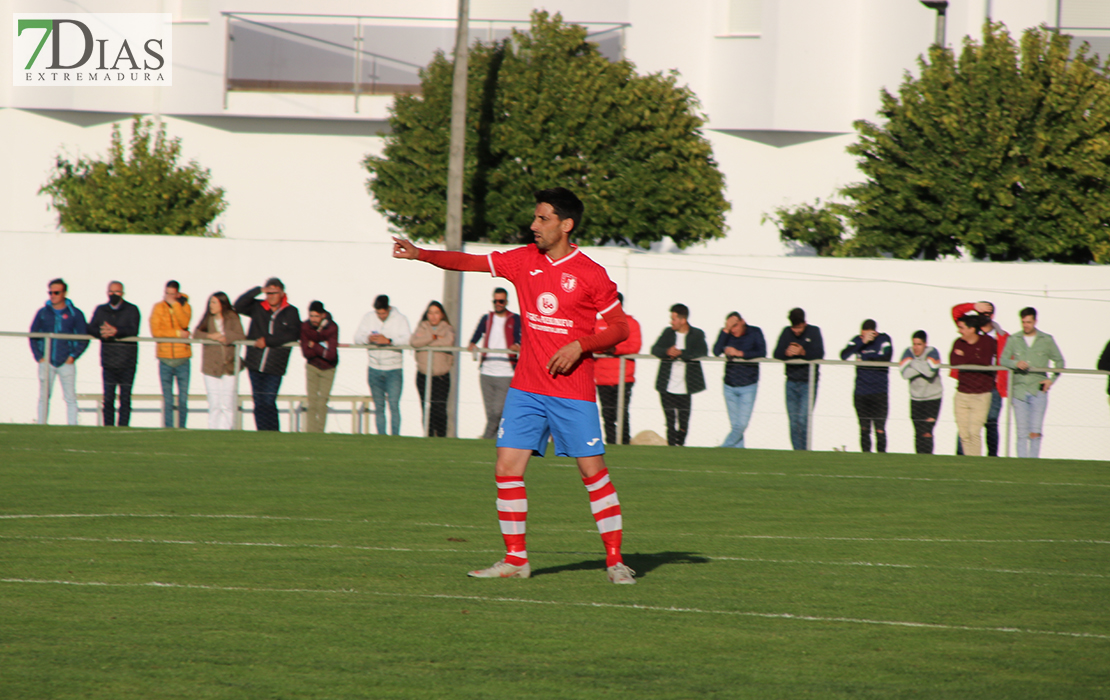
x=405 y=249
x=564 y=358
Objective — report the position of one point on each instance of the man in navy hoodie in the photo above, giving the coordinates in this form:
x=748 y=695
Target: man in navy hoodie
x=871 y=398
x=59 y=315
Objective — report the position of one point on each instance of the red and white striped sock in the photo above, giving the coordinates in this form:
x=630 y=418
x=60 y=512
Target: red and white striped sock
x=607 y=513
x=512 y=511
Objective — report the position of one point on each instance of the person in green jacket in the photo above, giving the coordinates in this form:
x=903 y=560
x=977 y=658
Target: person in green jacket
x=1025 y=353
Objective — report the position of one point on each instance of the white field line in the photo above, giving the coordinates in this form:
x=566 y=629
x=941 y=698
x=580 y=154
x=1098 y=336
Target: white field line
x=448 y=550
x=611 y=606
x=639 y=533
x=103 y=452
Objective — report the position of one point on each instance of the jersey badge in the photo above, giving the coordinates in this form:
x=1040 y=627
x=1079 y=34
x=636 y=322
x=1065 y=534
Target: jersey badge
x=547 y=303
x=569 y=282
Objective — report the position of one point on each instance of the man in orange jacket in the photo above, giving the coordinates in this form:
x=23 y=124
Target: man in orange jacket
x=170 y=319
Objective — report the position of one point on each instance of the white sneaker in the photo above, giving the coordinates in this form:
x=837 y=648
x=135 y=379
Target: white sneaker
x=619 y=573
x=504 y=570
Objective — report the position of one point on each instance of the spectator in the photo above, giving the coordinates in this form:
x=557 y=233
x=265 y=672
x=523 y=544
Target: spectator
x=113 y=323
x=274 y=323
x=320 y=347
x=1104 y=364
x=384 y=326
x=973 y=393
x=994 y=330
x=920 y=364
x=499 y=329
x=739 y=341
x=871 y=398
x=59 y=315
x=170 y=318
x=799 y=341
x=217 y=362
x=677 y=381
x=607 y=374
x=434 y=329
x=1032 y=349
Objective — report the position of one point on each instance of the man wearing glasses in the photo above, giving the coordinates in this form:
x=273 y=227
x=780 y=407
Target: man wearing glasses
x=274 y=322
x=59 y=315
x=498 y=330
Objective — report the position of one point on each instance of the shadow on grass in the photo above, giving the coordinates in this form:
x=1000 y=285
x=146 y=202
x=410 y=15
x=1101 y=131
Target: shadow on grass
x=642 y=563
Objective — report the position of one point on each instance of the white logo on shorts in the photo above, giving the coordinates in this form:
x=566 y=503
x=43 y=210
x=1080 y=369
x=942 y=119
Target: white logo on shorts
x=547 y=303
x=593 y=442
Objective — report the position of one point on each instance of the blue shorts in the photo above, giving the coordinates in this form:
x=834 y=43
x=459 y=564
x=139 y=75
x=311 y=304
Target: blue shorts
x=528 y=420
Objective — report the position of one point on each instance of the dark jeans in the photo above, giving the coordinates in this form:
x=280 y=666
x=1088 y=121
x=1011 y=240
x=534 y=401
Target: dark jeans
x=608 y=396
x=924 y=416
x=124 y=378
x=676 y=413
x=872 y=409
x=991 y=426
x=264 y=391
x=797 y=410
x=441 y=388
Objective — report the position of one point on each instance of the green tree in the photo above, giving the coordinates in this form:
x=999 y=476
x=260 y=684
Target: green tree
x=143 y=191
x=818 y=226
x=1003 y=154
x=547 y=109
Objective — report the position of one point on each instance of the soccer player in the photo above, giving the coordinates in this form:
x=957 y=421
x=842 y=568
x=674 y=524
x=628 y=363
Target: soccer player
x=561 y=292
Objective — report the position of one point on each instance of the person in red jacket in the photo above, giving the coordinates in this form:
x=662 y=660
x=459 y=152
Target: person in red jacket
x=320 y=347
x=992 y=329
x=607 y=375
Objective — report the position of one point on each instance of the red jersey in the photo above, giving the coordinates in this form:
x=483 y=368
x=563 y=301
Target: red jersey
x=559 y=303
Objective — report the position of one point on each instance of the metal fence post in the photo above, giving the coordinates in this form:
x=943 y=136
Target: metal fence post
x=428 y=394
x=620 y=401
x=1009 y=408
x=809 y=404
x=238 y=422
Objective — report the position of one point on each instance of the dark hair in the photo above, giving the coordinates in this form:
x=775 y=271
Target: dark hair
x=736 y=314
x=797 y=316
x=565 y=203
x=620 y=297
x=275 y=282
x=226 y=311
x=502 y=290
x=1028 y=311
x=382 y=302
x=973 y=321
x=318 y=307
x=869 y=325
x=441 y=310
x=681 y=309
x=923 y=335
x=58 y=280
x=174 y=285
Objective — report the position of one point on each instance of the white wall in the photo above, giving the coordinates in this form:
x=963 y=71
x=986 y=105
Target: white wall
x=903 y=296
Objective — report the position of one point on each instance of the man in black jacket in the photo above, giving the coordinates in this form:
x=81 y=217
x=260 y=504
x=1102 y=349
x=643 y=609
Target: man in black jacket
x=273 y=324
x=799 y=341
x=111 y=323
x=679 y=376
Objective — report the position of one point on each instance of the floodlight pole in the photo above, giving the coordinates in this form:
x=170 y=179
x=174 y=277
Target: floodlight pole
x=452 y=280
x=941 y=6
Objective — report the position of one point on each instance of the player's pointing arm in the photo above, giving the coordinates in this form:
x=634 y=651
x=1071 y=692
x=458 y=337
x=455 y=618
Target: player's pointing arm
x=446 y=259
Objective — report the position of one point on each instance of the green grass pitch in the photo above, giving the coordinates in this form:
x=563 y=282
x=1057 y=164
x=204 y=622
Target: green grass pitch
x=194 y=564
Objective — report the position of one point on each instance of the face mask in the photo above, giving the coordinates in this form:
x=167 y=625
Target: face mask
x=115 y=299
